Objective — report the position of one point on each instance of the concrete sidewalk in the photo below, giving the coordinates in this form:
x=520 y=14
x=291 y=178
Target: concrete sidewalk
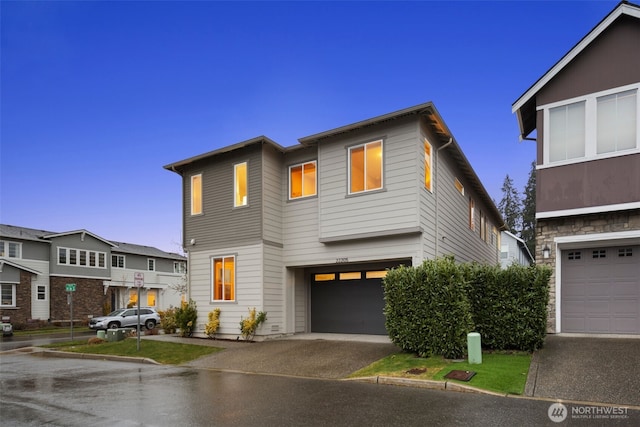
x=587 y=369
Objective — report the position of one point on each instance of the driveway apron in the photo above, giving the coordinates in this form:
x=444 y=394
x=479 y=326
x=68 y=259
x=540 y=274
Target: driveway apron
x=601 y=370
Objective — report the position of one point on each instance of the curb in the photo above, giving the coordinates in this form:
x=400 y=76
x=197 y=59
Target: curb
x=428 y=384
x=43 y=352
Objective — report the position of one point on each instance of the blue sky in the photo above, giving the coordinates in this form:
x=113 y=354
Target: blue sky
x=97 y=96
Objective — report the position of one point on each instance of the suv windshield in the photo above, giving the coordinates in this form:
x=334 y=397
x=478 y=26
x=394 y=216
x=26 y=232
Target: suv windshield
x=115 y=313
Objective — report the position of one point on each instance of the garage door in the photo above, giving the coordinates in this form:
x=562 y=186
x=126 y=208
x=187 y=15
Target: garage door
x=348 y=302
x=600 y=290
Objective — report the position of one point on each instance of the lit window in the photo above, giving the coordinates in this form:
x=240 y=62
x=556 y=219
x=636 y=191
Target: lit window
x=365 y=167
x=224 y=281
x=302 y=180
x=427 y=165
x=196 y=194
x=7 y=295
x=324 y=277
x=240 y=184
x=472 y=214
x=459 y=186
x=151 y=264
x=351 y=275
x=151 y=298
x=617 y=116
x=483 y=227
x=567 y=132
x=133 y=298
x=376 y=274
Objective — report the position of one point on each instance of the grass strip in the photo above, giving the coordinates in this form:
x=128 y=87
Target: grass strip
x=161 y=351
x=501 y=372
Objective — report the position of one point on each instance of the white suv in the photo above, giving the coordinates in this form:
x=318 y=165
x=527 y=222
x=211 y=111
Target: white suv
x=126 y=317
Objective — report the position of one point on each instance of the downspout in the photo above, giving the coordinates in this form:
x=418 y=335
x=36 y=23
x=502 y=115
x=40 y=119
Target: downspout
x=437 y=190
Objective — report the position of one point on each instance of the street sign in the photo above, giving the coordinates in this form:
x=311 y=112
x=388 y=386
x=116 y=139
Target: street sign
x=138 y=280
x=71 y=287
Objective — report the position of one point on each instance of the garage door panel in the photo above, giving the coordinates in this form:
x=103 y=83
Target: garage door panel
x=600 y=290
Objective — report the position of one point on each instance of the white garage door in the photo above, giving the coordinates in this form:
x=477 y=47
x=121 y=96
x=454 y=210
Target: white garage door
x=600 y=290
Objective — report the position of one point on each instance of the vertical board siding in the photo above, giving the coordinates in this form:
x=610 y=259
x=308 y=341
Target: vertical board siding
x=249 y=281
x=342 y=214
x=221 y=224
x=39 y=308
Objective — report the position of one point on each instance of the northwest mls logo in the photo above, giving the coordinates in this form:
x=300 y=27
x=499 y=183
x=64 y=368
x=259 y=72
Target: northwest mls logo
x=557 y=412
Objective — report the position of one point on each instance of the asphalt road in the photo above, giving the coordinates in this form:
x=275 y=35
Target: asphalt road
x=38 y=391
x=21 y=341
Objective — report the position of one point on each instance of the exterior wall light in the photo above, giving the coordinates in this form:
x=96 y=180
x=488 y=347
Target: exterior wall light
x=546 y=252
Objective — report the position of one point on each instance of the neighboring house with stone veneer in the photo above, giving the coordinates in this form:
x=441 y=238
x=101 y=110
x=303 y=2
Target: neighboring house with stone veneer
x=306 y=233
x=585 y=110
x=36 y=266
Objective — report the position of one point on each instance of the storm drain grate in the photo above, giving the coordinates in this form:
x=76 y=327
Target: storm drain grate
x=460 y=375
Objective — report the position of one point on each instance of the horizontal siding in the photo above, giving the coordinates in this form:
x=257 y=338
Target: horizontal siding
x=221 y=224
x=75 y=241
x=249 y=281
x=395 y=207
x=273 y=189
x=273 y=288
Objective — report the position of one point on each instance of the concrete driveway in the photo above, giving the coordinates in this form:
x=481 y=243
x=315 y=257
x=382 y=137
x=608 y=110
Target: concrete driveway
x=587 y=369
x=307 y=355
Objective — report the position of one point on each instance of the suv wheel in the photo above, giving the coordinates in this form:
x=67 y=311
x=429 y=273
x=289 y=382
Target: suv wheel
x=150 y=324
x=113 y=325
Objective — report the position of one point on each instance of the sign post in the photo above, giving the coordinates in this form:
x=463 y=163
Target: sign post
x=138 y=280
x=71 y=288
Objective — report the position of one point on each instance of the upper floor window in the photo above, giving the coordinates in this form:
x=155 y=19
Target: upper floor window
x=151 y=264
x=117 y=261
x=483 y=227
x=10 y=249
x=365 y=167
x=224 y=279
x=427 y=166
x=590 y=127
x=179 y=267
x=196 y=194
x=472 y=214
x=240 y=184
x=302 y=180
x=459 y=186
x=82 y=258
x=617 y=122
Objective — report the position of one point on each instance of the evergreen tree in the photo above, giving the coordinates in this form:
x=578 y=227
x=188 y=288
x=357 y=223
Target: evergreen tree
x=510 y=206
x=529 y=211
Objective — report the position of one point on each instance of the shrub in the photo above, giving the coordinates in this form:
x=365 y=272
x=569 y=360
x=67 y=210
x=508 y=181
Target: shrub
x=427 y=311
x=213 y=323
x=168 y=320
x=186 y=317
x=509 y=307
x=249 y=325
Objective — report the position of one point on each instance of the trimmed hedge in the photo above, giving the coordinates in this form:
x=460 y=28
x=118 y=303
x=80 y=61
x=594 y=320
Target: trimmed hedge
x=431 y=308
x=427 y=311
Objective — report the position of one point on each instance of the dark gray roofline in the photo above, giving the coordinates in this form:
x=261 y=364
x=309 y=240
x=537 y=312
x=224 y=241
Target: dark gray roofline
x=82 y=231
x=257 y=140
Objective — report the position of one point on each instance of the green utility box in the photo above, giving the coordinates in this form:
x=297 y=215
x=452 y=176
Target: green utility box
x=116 y=334
x=474 y=348
x=102 y=334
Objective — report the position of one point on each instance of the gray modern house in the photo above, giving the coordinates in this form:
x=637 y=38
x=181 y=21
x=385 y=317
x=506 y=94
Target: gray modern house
x=514 y=250
x=306 y=233
x=585 y=111
x=37 y=265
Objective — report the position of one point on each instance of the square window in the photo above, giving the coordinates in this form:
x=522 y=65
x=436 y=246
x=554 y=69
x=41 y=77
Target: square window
x=302 y=180
x=7 y=295
x=365 y=167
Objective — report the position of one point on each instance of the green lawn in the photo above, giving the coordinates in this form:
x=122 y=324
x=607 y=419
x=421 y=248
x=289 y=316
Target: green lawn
x=161 y=352
x=502 y=372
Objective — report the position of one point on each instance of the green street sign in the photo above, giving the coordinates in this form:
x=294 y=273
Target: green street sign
x=71 y=287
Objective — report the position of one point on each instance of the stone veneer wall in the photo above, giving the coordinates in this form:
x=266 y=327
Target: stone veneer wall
x=88 y=299
x=22 y=313
x=548 y=229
